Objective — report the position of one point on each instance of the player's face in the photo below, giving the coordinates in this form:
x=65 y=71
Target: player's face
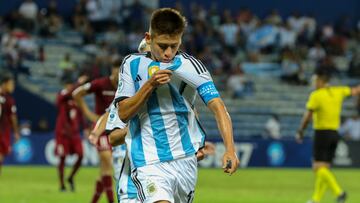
x=9 y=86
x=164 y=47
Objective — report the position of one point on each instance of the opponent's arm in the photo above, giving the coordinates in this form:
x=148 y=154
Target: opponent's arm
x=15 y=127
x=78 y=95
x=224 y=123
x=129 y=107
x=98 y=129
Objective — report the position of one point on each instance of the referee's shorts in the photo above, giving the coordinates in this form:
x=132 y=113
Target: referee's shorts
x=325 y=143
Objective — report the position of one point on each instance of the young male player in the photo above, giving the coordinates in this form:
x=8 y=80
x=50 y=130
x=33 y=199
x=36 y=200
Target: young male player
x=324 y=107
x=8 y=119
x=163 y=132
x=104 y=91
x=67 y=132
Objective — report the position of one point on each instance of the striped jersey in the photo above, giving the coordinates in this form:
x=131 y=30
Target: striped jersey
x=165 y=127
x=124 y=185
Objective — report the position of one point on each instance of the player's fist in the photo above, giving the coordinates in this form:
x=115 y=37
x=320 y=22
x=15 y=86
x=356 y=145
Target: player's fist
x=160 y=77
x=230 y=162
x=299 y=136
x=93 y=139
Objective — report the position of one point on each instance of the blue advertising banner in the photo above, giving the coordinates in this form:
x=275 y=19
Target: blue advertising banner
x=38 y=149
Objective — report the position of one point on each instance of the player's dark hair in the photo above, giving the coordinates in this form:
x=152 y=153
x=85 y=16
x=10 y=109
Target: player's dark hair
x=116 y=62
x=5 y=77
x=67 y=80
x=167 y=21
x=323 y=74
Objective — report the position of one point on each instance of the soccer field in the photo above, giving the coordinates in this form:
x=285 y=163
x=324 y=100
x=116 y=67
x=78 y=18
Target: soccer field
x=39 y=185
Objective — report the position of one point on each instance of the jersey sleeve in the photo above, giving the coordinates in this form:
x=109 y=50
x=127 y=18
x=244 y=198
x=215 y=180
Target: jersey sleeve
x=345 y=91
x=312 y=103
x=193 y=72
x=126 y=86
x=113 y=121
x=93 y=86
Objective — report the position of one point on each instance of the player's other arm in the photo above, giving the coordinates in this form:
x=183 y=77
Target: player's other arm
x=224 y=123
x=15 y=127
x=304 y=122
x=128 y=107
x=78 y=95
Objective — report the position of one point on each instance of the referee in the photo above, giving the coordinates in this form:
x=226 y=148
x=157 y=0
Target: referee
x=324 y=107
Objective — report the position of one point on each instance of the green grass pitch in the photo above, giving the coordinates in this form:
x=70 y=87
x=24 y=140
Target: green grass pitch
x=39 y=185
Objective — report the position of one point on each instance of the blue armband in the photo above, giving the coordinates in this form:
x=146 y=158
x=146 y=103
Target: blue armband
x=208 y=91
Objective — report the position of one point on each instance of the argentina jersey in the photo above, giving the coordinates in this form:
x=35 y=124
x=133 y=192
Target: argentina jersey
x=165 y=128
x=124 y=185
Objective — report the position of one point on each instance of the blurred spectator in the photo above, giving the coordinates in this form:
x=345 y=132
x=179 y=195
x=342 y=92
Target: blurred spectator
x=350 y=129
x=50 y=21
x=66 y=67
x=328 y=65
x=229 y=31
x=292 y=71
x=296 y=22
x=317 y=52
x=28 y=11
x=274 y=18
x=287 y=37
x=238 y=84
x=272 y=127
x=354 y=68
x=25 y=128
x=79 y=17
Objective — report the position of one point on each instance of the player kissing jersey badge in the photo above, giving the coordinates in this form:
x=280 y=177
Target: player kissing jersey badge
x=153 y=67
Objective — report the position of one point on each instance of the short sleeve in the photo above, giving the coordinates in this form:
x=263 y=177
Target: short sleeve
x=194 y=73
x=312 y=103
x=113 y=120
x=345 y=91
x=126 y=86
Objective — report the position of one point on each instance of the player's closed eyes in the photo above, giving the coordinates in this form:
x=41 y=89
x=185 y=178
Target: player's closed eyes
x=165 y=46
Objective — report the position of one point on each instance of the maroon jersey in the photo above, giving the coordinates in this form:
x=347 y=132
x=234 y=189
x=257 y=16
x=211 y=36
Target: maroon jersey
x=69 y=118
x=7 y=109
x=104 y=93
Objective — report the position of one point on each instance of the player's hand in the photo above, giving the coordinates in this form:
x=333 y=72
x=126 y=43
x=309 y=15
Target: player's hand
x=160 y=77
x=230 y=162
x=209 y=148
x=93 y=139
x=299 y=136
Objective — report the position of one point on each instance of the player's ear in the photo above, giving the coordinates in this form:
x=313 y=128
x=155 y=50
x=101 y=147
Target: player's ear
x=147 y=37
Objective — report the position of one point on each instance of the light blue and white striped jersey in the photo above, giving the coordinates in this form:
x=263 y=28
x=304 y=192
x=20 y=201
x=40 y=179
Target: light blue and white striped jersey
x=124 y=185
x=165 y=128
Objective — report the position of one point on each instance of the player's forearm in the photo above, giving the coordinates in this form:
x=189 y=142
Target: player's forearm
x=78 y=96
x=224 y=123
x=117 y=137
x=15 y=126
x=305 y=120
x=100 y=125
x=130 y=106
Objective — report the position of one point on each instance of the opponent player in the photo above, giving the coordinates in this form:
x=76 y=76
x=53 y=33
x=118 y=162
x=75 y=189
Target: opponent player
x=164 y=134
x=324 y=106
x=8 y=119
x=104 y=90
x=67 y=132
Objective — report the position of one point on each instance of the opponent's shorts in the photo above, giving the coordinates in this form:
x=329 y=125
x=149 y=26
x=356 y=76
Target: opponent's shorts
x=173 y=181
x=71 y=145
x=325 y=143
x=103 y=143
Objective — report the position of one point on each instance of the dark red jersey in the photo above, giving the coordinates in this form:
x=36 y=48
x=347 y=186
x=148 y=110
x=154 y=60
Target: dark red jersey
x=69 y=118
x=7 y=110
x=104 y=93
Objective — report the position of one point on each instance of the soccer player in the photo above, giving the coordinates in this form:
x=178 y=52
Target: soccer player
x=104 y=90
x=163 y=131
x=67 y=132
x=324 y=107
x=8 y=119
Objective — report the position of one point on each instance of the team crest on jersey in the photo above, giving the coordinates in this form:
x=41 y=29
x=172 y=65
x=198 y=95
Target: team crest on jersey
x=151 y=189
x=121 y=85
x=153 y=69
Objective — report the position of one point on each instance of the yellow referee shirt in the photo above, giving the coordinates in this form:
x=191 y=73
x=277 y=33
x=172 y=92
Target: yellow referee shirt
x=326 y=104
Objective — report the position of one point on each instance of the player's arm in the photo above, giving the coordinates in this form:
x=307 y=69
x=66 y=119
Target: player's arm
x=117 y=136
x=128 y=107
x=98 y=129
x=304 y=122
x=15 y=127
x=224 y=123
x=78 y=95
x=355 y=91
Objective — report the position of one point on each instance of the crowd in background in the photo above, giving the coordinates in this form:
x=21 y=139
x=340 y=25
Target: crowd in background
x=224 y=40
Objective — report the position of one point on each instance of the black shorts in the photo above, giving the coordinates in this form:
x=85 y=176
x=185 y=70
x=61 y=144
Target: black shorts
x=325 y=143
